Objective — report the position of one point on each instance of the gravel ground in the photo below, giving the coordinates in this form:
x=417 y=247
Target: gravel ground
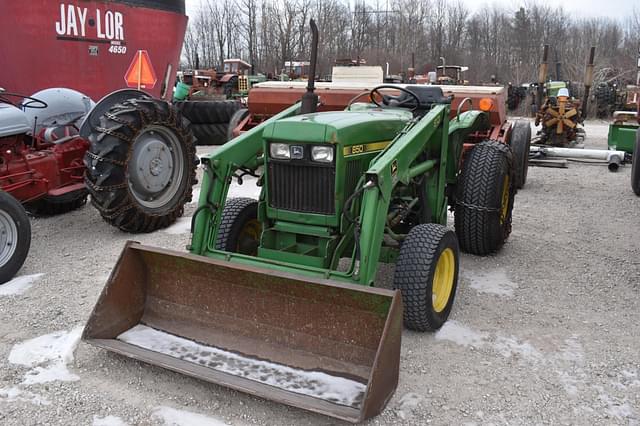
x=546 y=331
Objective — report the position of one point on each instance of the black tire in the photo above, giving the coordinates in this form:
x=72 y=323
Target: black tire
x=208 y=112
x=415 y=276
x=50 y=206
x=210 y=134
x=237 y=117
x=239 y=230
x=482 y=220
x=141 y=165
x=520 y=143
x=15 y=236
x=635 y=165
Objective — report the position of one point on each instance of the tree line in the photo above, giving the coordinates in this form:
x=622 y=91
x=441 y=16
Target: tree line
x=493 y=42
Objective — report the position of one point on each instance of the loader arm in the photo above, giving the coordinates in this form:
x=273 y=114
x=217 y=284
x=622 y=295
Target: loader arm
x=220 y=166
x=428 y=138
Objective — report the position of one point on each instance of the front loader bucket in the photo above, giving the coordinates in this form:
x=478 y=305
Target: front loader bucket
x=320 y=345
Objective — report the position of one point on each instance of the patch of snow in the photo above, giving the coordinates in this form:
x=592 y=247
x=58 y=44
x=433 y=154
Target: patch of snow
x=409 y=403
x=248 y=189
x=174 y=417
x=181 y=226
x=108 y=421
x=512 y=347
x=320 y=385
x=49 y=355
x=195 y=195
x=19 y=285
x=617 y=409
x=17 y=394
x=460 y=334
x=493 y=282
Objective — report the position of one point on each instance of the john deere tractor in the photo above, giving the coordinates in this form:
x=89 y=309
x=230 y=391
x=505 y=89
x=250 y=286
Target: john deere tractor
x=278 y=296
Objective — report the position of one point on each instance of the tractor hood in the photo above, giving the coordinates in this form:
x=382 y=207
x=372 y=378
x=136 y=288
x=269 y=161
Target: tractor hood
x=340 y=127
x=12 y=121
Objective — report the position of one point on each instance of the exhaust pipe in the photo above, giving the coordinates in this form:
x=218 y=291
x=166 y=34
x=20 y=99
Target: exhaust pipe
x=310 y=99
x=588 y=81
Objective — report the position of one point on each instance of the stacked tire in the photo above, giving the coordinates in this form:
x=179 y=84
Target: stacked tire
x=209 y=119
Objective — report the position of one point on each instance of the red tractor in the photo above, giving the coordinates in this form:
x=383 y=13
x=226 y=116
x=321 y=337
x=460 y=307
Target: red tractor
x=133 y=154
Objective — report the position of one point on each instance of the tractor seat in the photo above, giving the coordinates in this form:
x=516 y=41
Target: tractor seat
x=428 y=96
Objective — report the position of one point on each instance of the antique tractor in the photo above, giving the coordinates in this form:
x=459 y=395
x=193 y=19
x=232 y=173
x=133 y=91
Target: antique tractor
x=558 y=112
x=134 y=155
x=276 y=297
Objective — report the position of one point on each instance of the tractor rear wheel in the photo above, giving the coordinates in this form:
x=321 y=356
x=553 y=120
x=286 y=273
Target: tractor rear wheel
x=210 y=134
x=520 y=143
x=239 y=230
x=208 y=112
x=141 y=164
x=635 y=165
x=484 y=199
x=15 y=236
x=237 y=117
x=427 y=276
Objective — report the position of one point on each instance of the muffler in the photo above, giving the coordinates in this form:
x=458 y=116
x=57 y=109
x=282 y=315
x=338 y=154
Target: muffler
x=320 y=345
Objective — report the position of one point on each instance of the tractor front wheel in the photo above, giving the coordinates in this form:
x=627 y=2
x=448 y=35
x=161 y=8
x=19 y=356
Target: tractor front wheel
x=427 y=276
x=15 y=236
x=635 y=165
x=49 y=206
x=520 y=142
x=141 y=164
x=239 y=230
x=484 y=200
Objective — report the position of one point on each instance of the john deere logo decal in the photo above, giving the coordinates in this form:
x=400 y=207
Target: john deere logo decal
x=436 y=121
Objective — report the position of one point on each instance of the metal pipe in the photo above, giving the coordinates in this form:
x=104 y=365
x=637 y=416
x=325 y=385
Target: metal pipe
x=310 y=99
x=422 y=168
x=613 y=163
x=542 y=75
x=588 y=81
x=591 y=154
x=460 y=107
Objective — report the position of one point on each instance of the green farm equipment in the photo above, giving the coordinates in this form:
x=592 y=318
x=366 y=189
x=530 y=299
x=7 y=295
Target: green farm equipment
x=277 y=296
x=622 y=132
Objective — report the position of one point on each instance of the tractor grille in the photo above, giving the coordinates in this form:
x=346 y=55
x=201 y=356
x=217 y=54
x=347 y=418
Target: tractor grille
x=355 y=170
x=302 y=188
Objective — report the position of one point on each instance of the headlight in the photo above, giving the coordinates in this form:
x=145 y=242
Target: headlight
x=322 y=154
x=280 y=151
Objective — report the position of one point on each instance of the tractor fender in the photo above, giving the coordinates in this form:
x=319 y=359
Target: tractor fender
x=92 y=120
x=469 y=122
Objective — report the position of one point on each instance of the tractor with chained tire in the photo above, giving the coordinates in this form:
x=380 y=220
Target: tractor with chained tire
x=133 y=154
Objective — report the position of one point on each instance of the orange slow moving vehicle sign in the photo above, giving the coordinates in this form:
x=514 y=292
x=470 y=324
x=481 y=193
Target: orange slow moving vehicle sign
x=141 y=74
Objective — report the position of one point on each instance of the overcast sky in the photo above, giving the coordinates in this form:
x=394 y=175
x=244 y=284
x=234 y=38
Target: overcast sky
x=585 y=8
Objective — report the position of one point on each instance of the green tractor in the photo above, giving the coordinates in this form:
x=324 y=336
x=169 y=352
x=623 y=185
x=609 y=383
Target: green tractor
x=278 y=296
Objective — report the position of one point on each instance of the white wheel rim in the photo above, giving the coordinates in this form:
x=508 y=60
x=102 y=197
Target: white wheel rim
x=8 y=237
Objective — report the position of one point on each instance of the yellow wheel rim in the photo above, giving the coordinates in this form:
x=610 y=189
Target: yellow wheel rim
x=249 y=237
x=504 y=207
x=443 y=280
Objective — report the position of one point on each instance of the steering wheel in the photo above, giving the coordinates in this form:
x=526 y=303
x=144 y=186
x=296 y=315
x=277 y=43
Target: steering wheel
x=31 y=102
x=387 y=98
